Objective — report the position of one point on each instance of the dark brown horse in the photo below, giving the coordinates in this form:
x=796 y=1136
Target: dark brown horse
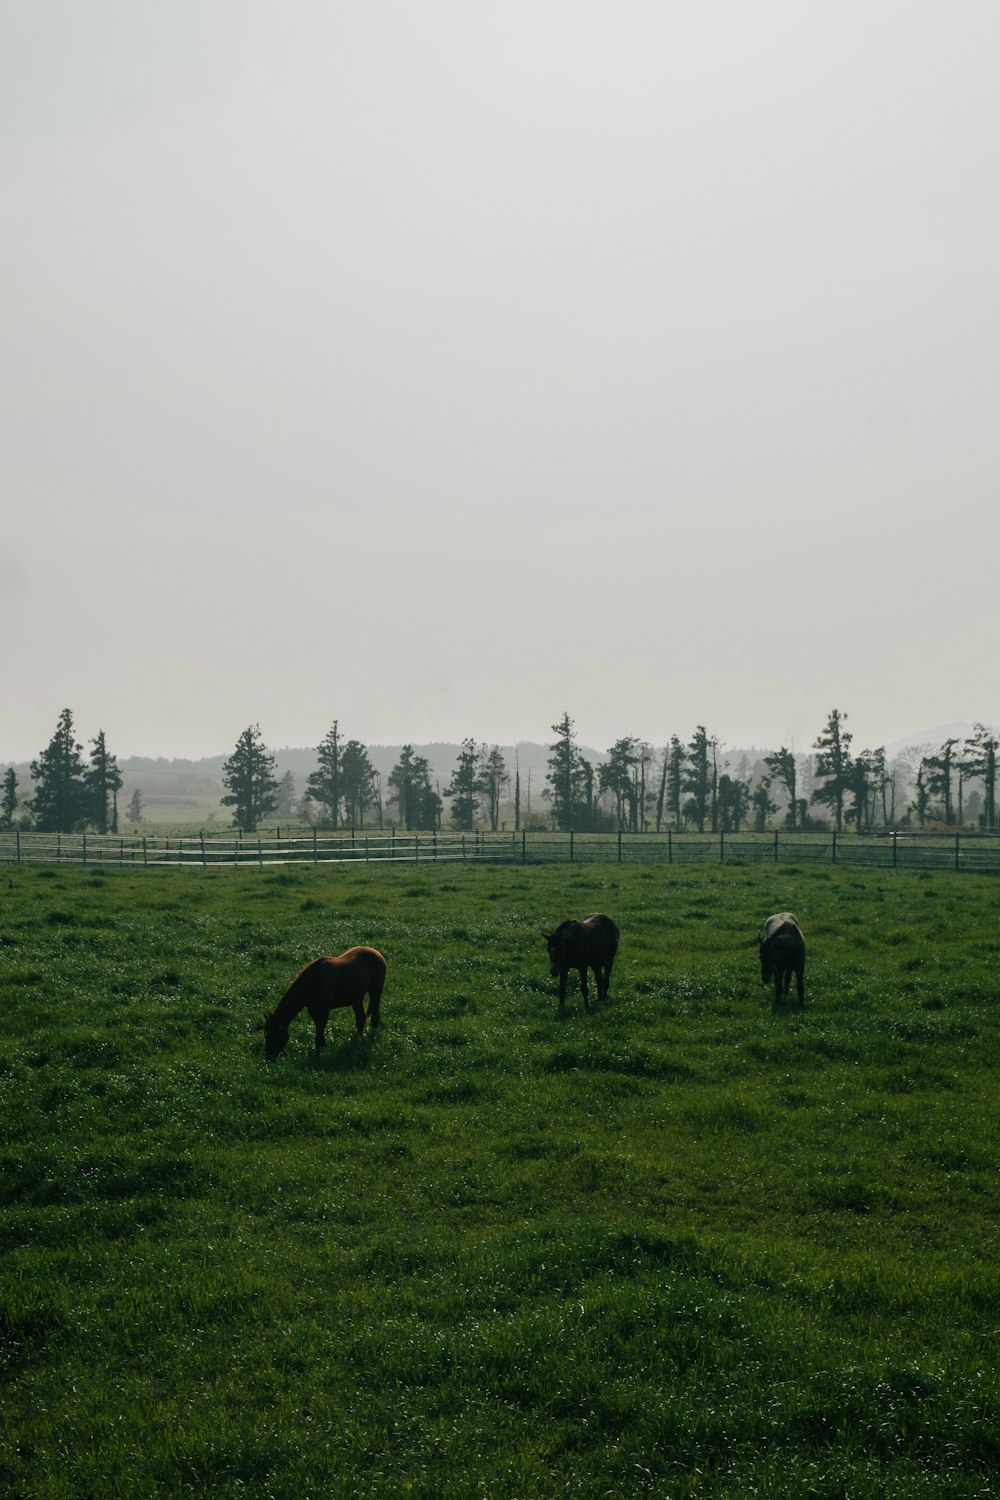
x=589 y=944
x=782 y=954
x=324 y=985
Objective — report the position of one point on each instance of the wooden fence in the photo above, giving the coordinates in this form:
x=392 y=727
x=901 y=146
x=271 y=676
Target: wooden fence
x=890 y=850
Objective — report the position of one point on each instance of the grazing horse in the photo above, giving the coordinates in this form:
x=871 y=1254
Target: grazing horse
x=324 y=985
x=590 y=944
x=782 y=954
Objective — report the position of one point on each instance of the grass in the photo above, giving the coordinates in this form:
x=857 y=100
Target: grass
x=688 y=1244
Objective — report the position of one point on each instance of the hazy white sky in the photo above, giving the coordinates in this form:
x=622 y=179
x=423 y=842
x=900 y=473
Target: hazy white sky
x=439 y=366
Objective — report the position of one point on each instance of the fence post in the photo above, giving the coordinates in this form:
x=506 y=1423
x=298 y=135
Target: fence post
x=670 y=846
x=58 y=847
x=619 y=846
x=958 y=837
x=260 y=854
x=85 y=848
x=524 y=846
x=571 y=846
x=775 y=846
x=834 y=847
x=144 y=850
x=17 y=841
x=722 y=846
x=203 y=849
x=315 y=855
x=894 y=848
x=416 y=848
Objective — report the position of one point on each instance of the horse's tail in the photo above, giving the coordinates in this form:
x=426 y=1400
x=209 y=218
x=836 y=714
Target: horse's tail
x=375 y=987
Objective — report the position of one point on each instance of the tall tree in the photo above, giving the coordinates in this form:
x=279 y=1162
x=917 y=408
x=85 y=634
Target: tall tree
x=464 y=787
x=570 y=778
x=938 y=772
x=782 y=768
x=410 y=780
x=981 y=753
x=863 y=783
x=833 y=764
x=60 y=800
x=357 y=779
x=8 y=804
x=675 y=780
x=325 y=784
x=762 y=805
x=617 y=777
x=135 y=809
x=734 y=799
x=103 y=781
x=494 y=778
x=249 y=775
x=285 y=803
x=698 y=778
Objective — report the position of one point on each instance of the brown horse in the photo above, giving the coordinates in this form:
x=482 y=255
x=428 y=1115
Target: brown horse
x=589 y=944
x=783 y=953
x=324 y=985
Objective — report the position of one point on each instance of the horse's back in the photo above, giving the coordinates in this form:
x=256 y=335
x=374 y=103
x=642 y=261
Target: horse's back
x=603 y=931
x=356 y=962
x=782 y=923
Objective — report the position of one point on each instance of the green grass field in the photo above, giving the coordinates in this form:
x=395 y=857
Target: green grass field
x=688 y=1244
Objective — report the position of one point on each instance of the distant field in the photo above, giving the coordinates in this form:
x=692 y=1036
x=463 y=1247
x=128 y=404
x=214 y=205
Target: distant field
x=685 y=1245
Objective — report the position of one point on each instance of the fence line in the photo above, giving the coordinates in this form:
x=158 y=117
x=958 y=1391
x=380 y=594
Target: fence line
x=890 y=850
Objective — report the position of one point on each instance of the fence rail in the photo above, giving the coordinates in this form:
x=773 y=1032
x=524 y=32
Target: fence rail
x=890 y=850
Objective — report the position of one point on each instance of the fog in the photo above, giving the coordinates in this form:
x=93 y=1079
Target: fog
x=441 y=368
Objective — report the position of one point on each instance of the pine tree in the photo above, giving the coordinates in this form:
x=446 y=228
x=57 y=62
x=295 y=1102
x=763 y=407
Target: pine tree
x=60 y=800
x=571 y=779
x=103 y=782
x=8 y=805
x=358 y=782
x=249 y=775
x=833 y=764
x=464 y=787
x=493 y=778
x=782 y=768
x=325 y=784
x=697 y=778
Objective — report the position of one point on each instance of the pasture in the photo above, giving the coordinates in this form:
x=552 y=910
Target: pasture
x=690 y=1244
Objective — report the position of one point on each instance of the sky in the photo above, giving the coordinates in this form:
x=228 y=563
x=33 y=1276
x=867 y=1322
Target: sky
x=442 y=367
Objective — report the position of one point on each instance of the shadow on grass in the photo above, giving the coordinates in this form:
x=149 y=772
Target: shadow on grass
x=346 y=1056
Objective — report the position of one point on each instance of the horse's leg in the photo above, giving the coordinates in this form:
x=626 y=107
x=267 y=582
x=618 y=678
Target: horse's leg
x=800 y=984
x=563 y=977
x=583 y=986
x=359 y=1015
x=607 y=975
x=320 y=1032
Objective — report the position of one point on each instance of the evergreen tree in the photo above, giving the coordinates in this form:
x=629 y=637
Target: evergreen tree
x=981 y=757
x=325 y=784
x=762 y=805
x=60 y=791
x=410 y=780
x=464 y=787
x=8 y=804
x=494 y=777
x=782 y=768
x=734 y=800
x=938 y=772
x=833 y=764
x=357 y=779
x=618 y=778
x=697 y=778
x=675 y=780
x=571 y=780
x=285 y=804
x=249 y=775
x=135 y=809
x=103 y=782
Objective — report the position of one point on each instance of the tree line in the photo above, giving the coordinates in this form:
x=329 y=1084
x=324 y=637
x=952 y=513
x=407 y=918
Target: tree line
x=636 y=788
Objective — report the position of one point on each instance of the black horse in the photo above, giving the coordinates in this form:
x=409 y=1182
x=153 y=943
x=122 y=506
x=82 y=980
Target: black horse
x=782 y=954
x=590 y=944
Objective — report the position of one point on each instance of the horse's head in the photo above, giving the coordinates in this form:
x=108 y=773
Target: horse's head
x=552 y=943
x=275 y=1036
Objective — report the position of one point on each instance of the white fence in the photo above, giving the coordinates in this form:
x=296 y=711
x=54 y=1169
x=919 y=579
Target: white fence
x=889 y=850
